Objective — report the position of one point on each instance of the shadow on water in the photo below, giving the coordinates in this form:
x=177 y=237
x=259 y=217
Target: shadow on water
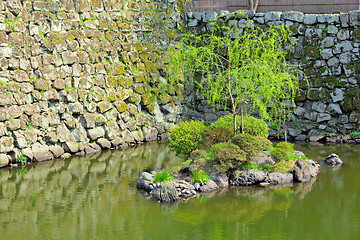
x=94 y=197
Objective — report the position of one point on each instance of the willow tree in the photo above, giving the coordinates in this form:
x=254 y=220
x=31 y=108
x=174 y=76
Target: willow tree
x=237 y=67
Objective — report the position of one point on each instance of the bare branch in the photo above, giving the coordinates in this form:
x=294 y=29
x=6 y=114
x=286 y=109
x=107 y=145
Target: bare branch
x=256 y=5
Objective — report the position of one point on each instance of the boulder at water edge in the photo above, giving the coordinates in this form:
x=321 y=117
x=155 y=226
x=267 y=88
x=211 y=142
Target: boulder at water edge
x=145 y=181
x=305 y=170
x=333 y=160
x=278 y=178
x=247 y=177
x=165 y=192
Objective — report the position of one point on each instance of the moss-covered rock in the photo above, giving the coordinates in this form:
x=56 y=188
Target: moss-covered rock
x=121 y=106
x=351 y=100
x=313 y=94
x=147 y=98
x=165 y=98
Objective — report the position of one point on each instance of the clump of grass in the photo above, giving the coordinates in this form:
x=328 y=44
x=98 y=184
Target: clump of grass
x=201 y=177
x=22 y=159
x=162 y=176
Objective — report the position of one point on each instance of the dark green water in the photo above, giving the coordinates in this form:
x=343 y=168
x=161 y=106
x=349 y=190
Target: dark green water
x=95 y=197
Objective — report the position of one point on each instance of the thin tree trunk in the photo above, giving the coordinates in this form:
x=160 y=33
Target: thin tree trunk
x=231 y=96
x=235 y=125
x=250 y=4
x=242 y=119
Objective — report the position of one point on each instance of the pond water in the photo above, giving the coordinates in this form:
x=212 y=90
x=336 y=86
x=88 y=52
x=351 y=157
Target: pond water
x=94 y=197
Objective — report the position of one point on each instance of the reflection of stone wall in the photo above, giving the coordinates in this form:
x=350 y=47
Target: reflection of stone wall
x=53 y=193
x=328 y=53
x=85 y=75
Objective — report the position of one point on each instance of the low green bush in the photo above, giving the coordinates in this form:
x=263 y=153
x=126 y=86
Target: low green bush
x=185 y=137
x=252 y=125
x=249 y=165
x=248 y=143
x=279 y=154
x=217 y=134
x=196 y=154
x=255 y=126
x=162 y=176
x=283 y=151
x=229 y=156
x=285 y=145
x=201 y=177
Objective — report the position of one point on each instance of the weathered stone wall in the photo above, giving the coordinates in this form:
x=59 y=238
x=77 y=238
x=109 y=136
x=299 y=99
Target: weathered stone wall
x=328 y=53
x=81 y=75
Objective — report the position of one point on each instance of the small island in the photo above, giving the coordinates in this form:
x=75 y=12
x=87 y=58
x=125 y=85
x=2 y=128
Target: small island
x=213 y=157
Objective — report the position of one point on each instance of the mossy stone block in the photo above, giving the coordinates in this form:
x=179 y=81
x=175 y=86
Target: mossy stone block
x=312 y=53
x=314 y=94
x=351 y=100
x=121 y=106
x=147 y=99
x=165 y=98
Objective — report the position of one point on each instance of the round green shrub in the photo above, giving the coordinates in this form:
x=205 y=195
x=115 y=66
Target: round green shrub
x=252 y=125
x=229 y=155
x=248 y=143
x=185 y=137
x=217 y=134
x=225 y=121
x=279 y=154
x=266 y=144
x=255 y=126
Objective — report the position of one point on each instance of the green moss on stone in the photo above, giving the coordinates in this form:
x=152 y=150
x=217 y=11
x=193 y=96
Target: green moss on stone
x=121 y=106
x=351 y=100
x=165 y=98
x=325 y=94
x=312 y=52
x=356 y=33
x=310 y=72
x=316 y=82
x=147 y=99
x=313 y=94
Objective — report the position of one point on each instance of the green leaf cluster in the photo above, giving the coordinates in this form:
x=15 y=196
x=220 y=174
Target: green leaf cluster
x=252 y=126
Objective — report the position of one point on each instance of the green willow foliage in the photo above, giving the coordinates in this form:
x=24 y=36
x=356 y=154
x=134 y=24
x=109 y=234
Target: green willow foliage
x=241 y=67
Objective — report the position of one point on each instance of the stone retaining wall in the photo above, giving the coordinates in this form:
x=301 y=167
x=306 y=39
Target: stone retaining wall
x=328 y=53
x=78 y=76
